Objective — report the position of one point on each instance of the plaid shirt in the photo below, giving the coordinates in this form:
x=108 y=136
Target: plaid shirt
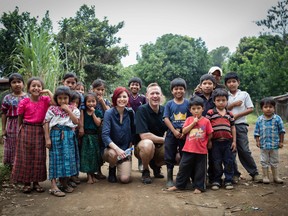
x=268 y=130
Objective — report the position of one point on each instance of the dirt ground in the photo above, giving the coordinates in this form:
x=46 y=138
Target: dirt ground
x=104 y=198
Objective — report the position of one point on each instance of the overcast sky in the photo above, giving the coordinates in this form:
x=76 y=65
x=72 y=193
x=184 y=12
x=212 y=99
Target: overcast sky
x=218 y=23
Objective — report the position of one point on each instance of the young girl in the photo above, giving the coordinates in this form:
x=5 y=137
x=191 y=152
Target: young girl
x=80 y=88
x=98 y=87
x=117 y=137
x=60 y=120
x=10 y=117
x=90 y=149
x=70 y=80
x=30 y=159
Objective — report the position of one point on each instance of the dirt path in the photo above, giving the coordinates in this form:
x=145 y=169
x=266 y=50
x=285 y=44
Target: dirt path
x=103 y=198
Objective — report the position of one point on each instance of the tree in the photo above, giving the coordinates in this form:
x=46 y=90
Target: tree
x=170 y=57
x=219 y=56
x=277 y=19
x=15 y=25
x=262 y=65
x=90 y=46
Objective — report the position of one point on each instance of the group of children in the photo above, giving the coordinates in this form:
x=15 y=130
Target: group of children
x=212 y=122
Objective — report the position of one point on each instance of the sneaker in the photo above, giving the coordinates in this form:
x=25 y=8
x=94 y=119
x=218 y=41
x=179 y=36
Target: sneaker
x=215 y=186
x=228 y=186
x=146 y=179
x=257 y=178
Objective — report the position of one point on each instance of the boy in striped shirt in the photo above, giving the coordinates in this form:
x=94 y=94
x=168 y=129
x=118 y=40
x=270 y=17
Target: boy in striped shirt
x=223 y=140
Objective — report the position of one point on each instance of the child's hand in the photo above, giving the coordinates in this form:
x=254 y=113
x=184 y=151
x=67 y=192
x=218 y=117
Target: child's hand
x=280 y=145
x=233 y=146
x=65 y=107
x=258 y=144
x=196 y=119
x=177 y=134
x=237 y=103
x=209 y=145
x=100 y=98
x=92 y=109
x=46 y=91
x=48 y=144
x=81 y=132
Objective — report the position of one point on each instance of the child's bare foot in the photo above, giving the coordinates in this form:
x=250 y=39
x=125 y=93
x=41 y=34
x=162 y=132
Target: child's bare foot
x=89 y=179
x=94 y=179
x=174 y=188
x=196 y=191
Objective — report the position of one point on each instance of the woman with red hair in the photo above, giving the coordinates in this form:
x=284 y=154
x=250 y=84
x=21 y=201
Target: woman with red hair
x=117 y=136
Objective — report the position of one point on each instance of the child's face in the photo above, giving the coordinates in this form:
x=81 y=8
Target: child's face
x=17 y=86
x=90 y=102
x=207 y=86
x=178 y=92
x=217 y=75
x=232 y=84
x=122 y=100
x=70 y=82
x=268 y=110
x=196 y=110
x=99 y=91
x=220 y=102
x=134 y=87
x=35 y=88
x=80 y=89
x=62 y=99
x=75 y=102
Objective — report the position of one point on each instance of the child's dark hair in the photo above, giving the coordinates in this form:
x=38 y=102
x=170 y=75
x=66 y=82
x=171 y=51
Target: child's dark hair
x=196 y=101
x=80 y=84
x=135 y=79
x=76 y=95
x=90 y=94
x=32 y=79
x=69 y=75
x=62 y=90
x=98 y=82
x=267 y=101
x=178 y=82
x=207 y=77
x=15 y=76
x=231 y=75
x=219 y=92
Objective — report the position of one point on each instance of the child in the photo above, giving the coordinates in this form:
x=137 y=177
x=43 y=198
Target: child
x=30 y=159
x=269 y=134
x=207 y=85
x=175 y=113
x=90 y=149
x=60 y=140
x=10 y=117
x=136 y=100
x=198 y=131
x=80 y=88
x=240 y=104
x=223 y=141
x=102 y=104
x=70 y=80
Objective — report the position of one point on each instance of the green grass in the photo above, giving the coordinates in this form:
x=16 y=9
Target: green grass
x=252 y=118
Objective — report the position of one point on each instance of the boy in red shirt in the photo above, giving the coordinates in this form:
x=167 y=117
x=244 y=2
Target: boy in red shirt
x=198 y=131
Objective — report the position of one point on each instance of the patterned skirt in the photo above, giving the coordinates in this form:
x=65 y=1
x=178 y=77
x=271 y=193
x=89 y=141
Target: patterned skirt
x=30 y=158
x=90 y=157
x=10 y=141
x=63 y=154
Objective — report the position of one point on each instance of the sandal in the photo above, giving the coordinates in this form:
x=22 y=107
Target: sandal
x=38 y=188
x=68 y=189
x=57 y=193
x=27 y=189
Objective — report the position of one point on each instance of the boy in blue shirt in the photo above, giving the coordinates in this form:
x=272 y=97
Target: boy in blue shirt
x=269 y=134
x=240 y=104
x=175 y=113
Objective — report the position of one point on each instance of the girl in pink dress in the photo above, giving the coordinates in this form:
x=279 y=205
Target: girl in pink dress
x=10 y=117
x=30 y=159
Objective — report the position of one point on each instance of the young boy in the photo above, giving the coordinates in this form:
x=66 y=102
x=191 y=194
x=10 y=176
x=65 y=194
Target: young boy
x=240 y=104
x=207 y=85
x=175 y=113
x=136 y=100
x=269 y=134
x=223 y=141
x=198 y=132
